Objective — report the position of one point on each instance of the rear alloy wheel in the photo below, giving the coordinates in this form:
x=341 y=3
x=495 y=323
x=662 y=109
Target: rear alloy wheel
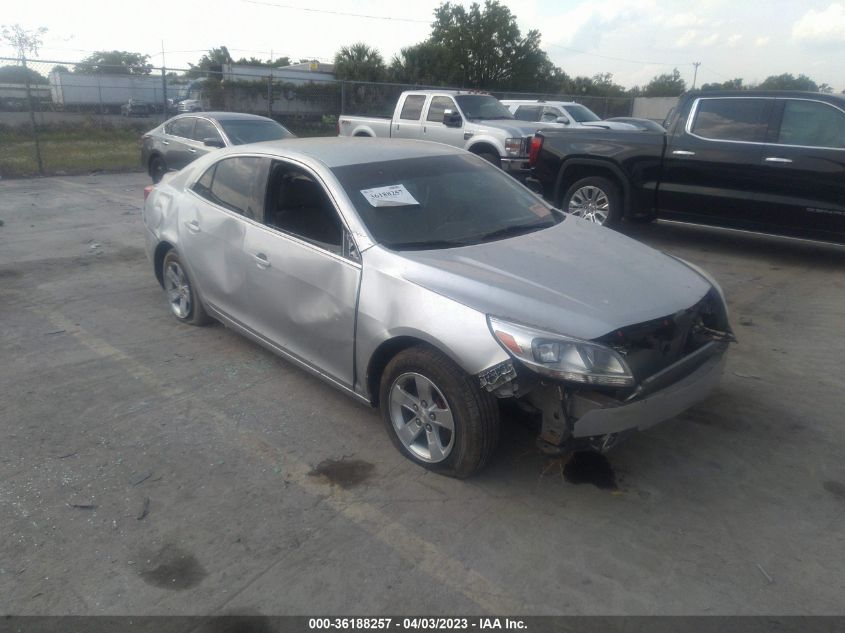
x=594 y=199
x=436 y=414
x=181 y=296
x=157 y=168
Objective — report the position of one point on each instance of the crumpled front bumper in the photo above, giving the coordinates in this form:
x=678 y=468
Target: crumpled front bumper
x=660 y=405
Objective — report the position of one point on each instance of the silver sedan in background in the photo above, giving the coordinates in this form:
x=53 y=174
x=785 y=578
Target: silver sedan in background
x=419 y=279
x=184 y=138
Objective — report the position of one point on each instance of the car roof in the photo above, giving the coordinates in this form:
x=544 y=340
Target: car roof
x=338 y=151
x=539 y=102
x=225 y=116
x=781 y=94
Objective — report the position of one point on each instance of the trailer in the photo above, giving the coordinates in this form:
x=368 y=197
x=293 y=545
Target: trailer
x=103 y=93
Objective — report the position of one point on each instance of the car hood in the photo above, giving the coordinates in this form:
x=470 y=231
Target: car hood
x=512 y=127
x=576 y=278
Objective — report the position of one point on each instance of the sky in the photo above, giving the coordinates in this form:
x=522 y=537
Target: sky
x=633 y=39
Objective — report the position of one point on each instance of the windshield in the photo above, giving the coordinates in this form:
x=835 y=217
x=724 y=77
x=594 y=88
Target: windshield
x=242 y=131
x=482 y=107
x=582 y=114
x=441 y=202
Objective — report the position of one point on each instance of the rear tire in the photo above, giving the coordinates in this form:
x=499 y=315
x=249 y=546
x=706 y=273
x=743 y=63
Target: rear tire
x=181 y=294
x=157 y=169
x=595 y=199
x=422 y=394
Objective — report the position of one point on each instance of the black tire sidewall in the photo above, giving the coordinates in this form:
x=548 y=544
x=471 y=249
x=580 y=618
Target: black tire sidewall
x=156 y=160
x=610 y=189
x=491 y=158
x=465 y=458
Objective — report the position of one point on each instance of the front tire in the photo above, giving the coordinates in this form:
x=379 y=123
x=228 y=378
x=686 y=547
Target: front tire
x=594 y=199
x=182 y=297
x=491 y=158
x=436 y=414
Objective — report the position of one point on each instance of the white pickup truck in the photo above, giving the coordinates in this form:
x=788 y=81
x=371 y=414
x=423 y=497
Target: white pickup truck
x=476 y=122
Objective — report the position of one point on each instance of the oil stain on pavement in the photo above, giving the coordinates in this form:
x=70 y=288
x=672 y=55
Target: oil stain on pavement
x=173 y=568
x=346 y=473
x=587 y=467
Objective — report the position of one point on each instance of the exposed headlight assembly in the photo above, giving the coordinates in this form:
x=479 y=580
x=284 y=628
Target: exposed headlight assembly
x=562 y=357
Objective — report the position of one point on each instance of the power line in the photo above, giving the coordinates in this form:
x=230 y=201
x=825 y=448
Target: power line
x=342 y=13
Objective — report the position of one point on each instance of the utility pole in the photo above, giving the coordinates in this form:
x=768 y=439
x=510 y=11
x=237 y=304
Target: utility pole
x=163 y=84
x=695 y=74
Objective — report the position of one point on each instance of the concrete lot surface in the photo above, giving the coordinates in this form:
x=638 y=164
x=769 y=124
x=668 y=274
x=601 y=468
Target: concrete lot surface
x=148 y=467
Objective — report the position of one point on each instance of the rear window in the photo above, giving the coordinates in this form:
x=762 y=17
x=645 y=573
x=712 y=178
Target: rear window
x=183 y=127
x=242 y=131
x=412 y=108
x=528 y=113
x=812 y=124
x=238 y=183
x=732 y=119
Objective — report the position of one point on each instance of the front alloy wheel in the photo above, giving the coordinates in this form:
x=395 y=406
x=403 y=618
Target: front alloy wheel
x=421 y=417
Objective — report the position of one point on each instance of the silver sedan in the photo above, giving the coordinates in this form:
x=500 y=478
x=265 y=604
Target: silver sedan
x=417 y=278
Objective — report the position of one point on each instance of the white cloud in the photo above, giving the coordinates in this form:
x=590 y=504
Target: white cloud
x=762 y=41
x=733 y=40
x=686 y=39
x=821 y=27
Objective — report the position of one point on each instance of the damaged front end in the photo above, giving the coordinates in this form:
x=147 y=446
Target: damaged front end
x=593 y=393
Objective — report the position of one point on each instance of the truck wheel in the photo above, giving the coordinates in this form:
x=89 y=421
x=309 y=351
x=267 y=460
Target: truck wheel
x=491 y=158
x=157 y=168
x=595 y=199
x=436 y=414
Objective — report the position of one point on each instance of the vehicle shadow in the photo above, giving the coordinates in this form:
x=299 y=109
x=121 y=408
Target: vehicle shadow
x=666 y=234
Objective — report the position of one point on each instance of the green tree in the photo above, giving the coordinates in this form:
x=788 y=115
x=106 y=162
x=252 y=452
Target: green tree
x=60 y=69
x=826 y=89
x=115 y=63
x=24 y=41
x=787 y=81
x=486 y=49
x=666 y=85
x=211 y=63
x=604 y=86
x=425 y=63
x=359 y=62
x=20 y=75
x=730 y=84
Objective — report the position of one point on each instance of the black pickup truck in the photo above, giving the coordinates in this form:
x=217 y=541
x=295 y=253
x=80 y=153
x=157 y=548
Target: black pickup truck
x=761 y=161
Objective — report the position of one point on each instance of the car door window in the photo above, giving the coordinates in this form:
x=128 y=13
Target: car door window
x=205 y=129
x=238 y=184
x=732 y=119
x=812 y=124
x=528 y=113
x=438 y=106
x=299 y=205
x=183 y=127
x=412 y=108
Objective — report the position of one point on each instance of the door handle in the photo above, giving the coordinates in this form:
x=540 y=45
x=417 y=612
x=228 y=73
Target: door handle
x=165 y=142
x=776 y=159
x=192 y=150
x=193 y=226
x=261 y=260
x=683 y=152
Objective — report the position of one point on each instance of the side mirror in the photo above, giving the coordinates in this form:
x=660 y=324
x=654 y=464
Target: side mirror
x=562 y=119
x=213 y=142
x=452 y=119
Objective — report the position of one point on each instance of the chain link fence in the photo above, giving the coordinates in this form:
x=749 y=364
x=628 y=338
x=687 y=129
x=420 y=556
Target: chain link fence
x=60 y=117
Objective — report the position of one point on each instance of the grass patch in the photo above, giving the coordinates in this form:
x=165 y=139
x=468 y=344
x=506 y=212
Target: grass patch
x=69 y=149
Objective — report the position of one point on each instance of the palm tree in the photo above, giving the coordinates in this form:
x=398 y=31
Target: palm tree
x=359 y=62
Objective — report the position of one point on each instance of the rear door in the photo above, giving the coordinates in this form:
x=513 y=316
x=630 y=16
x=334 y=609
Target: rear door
x=805 y=164
x=409 y=122
x=712 y=167
x=178 y=142
x=226 y=200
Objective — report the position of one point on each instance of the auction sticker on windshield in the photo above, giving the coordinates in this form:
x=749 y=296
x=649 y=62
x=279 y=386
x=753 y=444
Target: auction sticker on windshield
x=390 y=196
